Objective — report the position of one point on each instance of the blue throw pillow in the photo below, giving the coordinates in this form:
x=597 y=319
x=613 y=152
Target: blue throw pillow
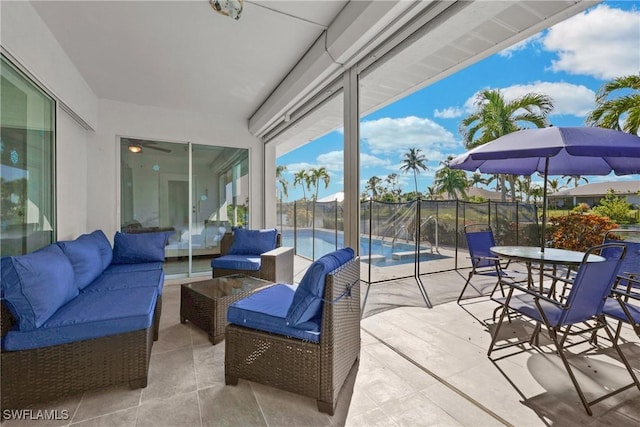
x=134 y=248
x=36 y=285
x=106 y=252
x=307 y=301
x=253 y=242
x=87 y=257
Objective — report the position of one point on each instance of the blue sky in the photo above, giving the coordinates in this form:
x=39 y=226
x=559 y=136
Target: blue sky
x=569 y=62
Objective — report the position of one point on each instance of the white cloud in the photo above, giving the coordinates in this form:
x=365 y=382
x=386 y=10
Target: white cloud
x=448 y=113
x=334 y=161
x=568 y=98
x=297 y=167
x=387 y=135
x=520 y=46
x=602 y=42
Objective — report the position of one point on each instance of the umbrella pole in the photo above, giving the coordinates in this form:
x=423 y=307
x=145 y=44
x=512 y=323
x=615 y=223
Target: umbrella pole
x=544 y=204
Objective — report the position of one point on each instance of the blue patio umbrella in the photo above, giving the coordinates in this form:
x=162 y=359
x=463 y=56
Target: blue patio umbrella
x=555 y=151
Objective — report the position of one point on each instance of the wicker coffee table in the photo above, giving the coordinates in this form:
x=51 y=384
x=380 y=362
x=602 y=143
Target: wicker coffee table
x=205 y=303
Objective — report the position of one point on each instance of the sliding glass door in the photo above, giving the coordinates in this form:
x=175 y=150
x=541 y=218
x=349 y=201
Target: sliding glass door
x=196 y=193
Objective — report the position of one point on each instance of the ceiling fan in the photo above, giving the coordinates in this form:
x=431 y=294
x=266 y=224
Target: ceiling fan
x=136 y=145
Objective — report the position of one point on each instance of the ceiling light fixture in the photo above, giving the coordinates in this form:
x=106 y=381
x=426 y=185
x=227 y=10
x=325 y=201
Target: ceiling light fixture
x=231 y=8
x=135 y=148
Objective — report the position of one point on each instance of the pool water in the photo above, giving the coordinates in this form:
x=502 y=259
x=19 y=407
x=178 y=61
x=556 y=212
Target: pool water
x=383 y=253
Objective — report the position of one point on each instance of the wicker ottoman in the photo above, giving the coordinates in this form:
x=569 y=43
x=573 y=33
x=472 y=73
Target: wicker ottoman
x=205 y=303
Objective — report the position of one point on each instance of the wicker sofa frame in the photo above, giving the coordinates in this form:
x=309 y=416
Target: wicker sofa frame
x=275 y=266
x=316 y=370
x=49 y=373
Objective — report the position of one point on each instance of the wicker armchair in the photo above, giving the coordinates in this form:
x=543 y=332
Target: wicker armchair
x=316 y=370
x=275 y=266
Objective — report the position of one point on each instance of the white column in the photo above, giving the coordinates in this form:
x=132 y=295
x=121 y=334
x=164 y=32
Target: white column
x=351 y=160
x=269 y=184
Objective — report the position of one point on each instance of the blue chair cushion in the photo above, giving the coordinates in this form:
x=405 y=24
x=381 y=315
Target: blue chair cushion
x=90 y=315
x=87 y=257
x=253 y=242
x=35 y=285
x=127 y=280
x=613 y=309
x=307 y=301
x=266 y=310
x=237 y=262
x=130 y=268
x=133 y=248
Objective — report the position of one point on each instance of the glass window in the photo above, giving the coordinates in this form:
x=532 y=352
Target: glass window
x=27 y=147
x=159 y=194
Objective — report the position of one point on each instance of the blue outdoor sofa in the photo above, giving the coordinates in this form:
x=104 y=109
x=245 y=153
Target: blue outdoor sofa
x=79 y=315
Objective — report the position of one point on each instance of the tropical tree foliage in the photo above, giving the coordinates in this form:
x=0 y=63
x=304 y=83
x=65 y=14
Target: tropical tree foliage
x=575 y=179
x=495 y=117
x=414 y=161
x=618 y=105
x=282 y=181
x=373 y=187
x=301 y=177
x=315 y=176
x=451 y=181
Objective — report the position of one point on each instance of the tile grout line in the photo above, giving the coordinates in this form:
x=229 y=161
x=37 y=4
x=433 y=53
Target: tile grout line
x=441 y=380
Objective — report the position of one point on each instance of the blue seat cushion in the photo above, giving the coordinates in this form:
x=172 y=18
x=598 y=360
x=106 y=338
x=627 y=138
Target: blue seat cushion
x=266 y=310
x=237 y=262
x=253 y=242
x=90 y=315
x=613 y=309
x=87 y=257
x=134 y=248
x=37 y=284
x=307 y=301
x=126 y=280
x=130 y=268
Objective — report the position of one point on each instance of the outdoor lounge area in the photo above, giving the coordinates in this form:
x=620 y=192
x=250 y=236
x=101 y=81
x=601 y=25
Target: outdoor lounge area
x=171 y=117
x=417 y=366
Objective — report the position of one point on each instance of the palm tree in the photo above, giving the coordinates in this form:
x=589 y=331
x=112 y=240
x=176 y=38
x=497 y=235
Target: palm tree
x=432 y=194
x=451 y=181
x=301 y=177
x=575 y=179
x=282 y=181
x=621 y=113
x=392 y=187
x=373 y=186
x=495 y=117
x=315 y=175
x=477 y=178
x=414 y=161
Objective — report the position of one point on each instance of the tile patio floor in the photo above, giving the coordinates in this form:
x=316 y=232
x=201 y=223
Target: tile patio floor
x=418 y=367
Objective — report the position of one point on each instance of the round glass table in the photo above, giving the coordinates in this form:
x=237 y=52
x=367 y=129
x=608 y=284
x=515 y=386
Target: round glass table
x=534 y=255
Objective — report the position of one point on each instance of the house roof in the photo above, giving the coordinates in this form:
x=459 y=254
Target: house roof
x=599 y=189
x=264 y=67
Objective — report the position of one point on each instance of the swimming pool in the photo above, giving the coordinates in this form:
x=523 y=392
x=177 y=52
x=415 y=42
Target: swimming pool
x=383 y=253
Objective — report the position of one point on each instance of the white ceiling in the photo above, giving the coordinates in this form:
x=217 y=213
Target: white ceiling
x=181 y=54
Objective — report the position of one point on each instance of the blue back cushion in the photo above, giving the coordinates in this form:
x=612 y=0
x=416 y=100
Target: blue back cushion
x=307 y=301
x=133 y=248
x=253 y=242
x=87 y=256
x=106 y=252
x=36 y=285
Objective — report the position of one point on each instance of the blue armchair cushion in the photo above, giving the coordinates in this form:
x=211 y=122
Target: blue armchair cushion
x=87 y=256
x=90 y=315
x=133 y=248
x=253 y=242
x=37 y=284
x=266 y=310
x=307 y=301
x=237 y=262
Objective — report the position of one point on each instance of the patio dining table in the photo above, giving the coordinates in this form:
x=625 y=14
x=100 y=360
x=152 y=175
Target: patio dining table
x=551 y=256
